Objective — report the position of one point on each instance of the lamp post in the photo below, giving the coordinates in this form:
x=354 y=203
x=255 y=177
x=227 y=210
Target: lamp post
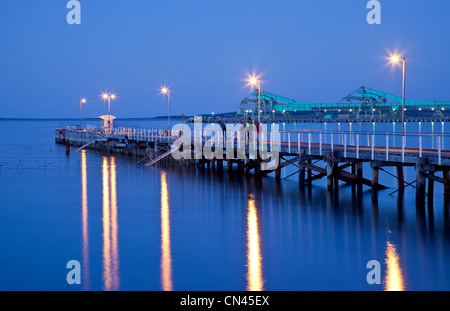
x=164 y=91
x=255 y=81
x=108 y=97
x=82 y=101
x=396 y=60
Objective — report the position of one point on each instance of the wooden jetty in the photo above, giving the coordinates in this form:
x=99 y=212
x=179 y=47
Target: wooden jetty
x=336 y=156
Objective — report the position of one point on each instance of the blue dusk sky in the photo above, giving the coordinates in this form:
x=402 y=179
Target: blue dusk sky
x=314 y=51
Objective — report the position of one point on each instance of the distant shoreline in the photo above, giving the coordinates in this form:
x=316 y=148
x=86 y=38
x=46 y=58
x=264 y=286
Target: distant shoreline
x=87 y=119
x=176 y=117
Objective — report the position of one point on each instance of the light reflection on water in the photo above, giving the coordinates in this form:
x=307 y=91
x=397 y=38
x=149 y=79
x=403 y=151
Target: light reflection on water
x=166 y=257
x=110 y=227
x=84 y=217
x=394 y=279
x=254 y=258
x=327 y=219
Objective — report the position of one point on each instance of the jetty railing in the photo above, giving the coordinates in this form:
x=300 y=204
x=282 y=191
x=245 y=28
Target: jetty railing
x=369 y=145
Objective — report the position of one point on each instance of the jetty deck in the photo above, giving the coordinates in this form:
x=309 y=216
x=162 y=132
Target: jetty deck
x=336 y=156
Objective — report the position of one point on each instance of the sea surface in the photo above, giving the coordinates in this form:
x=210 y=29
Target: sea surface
x=137 y=228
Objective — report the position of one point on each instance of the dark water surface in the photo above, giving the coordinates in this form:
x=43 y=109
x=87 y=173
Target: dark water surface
x=138 y=228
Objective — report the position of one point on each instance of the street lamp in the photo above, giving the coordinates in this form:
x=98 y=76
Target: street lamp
x=395 y=60
x=82 y=101
x=256 y=81
x=165 y=90
x=108 y=97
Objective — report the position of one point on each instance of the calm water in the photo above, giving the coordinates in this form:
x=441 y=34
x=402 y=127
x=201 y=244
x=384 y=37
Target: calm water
x=138 y=228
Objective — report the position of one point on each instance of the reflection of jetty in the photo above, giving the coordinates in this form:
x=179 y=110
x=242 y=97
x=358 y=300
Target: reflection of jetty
x=314 y=154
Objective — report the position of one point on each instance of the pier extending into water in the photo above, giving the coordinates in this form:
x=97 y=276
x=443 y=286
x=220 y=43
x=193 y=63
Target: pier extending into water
x=315 y=154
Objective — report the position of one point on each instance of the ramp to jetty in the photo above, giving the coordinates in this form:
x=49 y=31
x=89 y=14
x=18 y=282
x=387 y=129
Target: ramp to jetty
x=162 y=156
x=84 y=146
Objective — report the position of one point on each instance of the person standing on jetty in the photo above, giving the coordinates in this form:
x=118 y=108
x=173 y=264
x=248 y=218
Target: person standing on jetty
x=224 y=129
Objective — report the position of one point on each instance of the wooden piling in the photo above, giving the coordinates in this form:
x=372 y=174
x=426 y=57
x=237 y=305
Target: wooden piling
x=309 y=173
x=445 y=175
x=353 y=170
x=278 y=172
x=247 y=165
x=258 y=165
x=420 y=182
x=301 y=175
x=400 y=178
x=330 y=173
x=359 y=173
x=430 y=189
x=375 y=174
x=220 y=165
x=229 y=166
